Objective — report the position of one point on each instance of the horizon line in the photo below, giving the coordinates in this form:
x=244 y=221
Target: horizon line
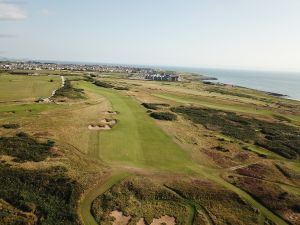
x=152 y=66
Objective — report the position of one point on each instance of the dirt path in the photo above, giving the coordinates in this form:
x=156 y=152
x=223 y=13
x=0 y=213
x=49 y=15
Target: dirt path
x=87 y=198
x=46 y=100
x=194 y=206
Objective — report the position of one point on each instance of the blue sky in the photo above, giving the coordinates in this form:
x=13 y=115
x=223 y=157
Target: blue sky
x=248 y=34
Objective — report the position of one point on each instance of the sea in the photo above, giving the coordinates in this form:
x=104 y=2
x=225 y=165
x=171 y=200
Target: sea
x=285 y=83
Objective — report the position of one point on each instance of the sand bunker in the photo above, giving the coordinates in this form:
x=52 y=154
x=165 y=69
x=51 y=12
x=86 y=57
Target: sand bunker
x=111 y=113
x=141 y=222
x=105 y=124
x=99 y=127
x=164 y=220
x=109 y=121
x=120 y=219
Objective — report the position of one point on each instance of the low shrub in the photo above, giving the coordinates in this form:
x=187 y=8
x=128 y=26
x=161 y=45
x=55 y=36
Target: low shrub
x=223 y=206
x=68 y=91
x=11 y=126
x=103 y=84
x=276 y=137
x=154 y=106
x=139 y=198
x=221 y=149
x=88 y=79
x=25 y=148
x=282 y=118
x=150 y=106
x=227 y=122
x=163 y=116
x=121 y=88
x=208 y=83
x=269 y=194
x=49 y=194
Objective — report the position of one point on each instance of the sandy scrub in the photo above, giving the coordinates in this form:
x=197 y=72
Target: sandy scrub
x=120 y=219
x=141 y=222
x=164 y=219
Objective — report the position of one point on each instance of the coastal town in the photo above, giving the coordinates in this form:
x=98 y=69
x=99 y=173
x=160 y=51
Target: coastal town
x=33 y=67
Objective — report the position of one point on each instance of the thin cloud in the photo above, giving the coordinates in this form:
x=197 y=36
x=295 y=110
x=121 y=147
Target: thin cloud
x=11 y=11
x=47 y=12
x=8 y=36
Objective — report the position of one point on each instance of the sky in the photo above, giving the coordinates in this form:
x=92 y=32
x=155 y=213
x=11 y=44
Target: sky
x=236 y=34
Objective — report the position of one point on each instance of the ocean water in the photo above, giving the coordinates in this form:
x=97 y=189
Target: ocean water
x=286 y=83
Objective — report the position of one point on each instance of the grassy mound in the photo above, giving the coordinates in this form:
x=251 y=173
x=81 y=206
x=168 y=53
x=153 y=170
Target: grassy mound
x=122 y=88
x=103 y=84
x=276 y=137
x=154 y=106
x=25 y=148
x=68 y=91
x=109 y=85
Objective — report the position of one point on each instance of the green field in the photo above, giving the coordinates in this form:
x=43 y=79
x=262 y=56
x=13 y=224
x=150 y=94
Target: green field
x=20 y=87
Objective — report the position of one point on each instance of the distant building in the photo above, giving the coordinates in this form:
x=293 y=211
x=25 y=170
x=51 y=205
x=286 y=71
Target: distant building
x=164 y=77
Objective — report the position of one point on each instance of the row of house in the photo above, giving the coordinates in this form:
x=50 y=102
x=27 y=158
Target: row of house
x=33 y=65
x=163 y=77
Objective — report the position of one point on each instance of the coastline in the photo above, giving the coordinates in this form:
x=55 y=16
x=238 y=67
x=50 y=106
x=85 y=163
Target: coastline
x=274 y=94
x=276 y=84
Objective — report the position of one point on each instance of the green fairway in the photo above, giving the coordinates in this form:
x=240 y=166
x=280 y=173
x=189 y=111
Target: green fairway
x=20 y=87
x=209 y=104
x=135 y=140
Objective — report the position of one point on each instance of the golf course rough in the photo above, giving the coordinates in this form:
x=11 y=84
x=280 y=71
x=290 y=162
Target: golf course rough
x=137 y=142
